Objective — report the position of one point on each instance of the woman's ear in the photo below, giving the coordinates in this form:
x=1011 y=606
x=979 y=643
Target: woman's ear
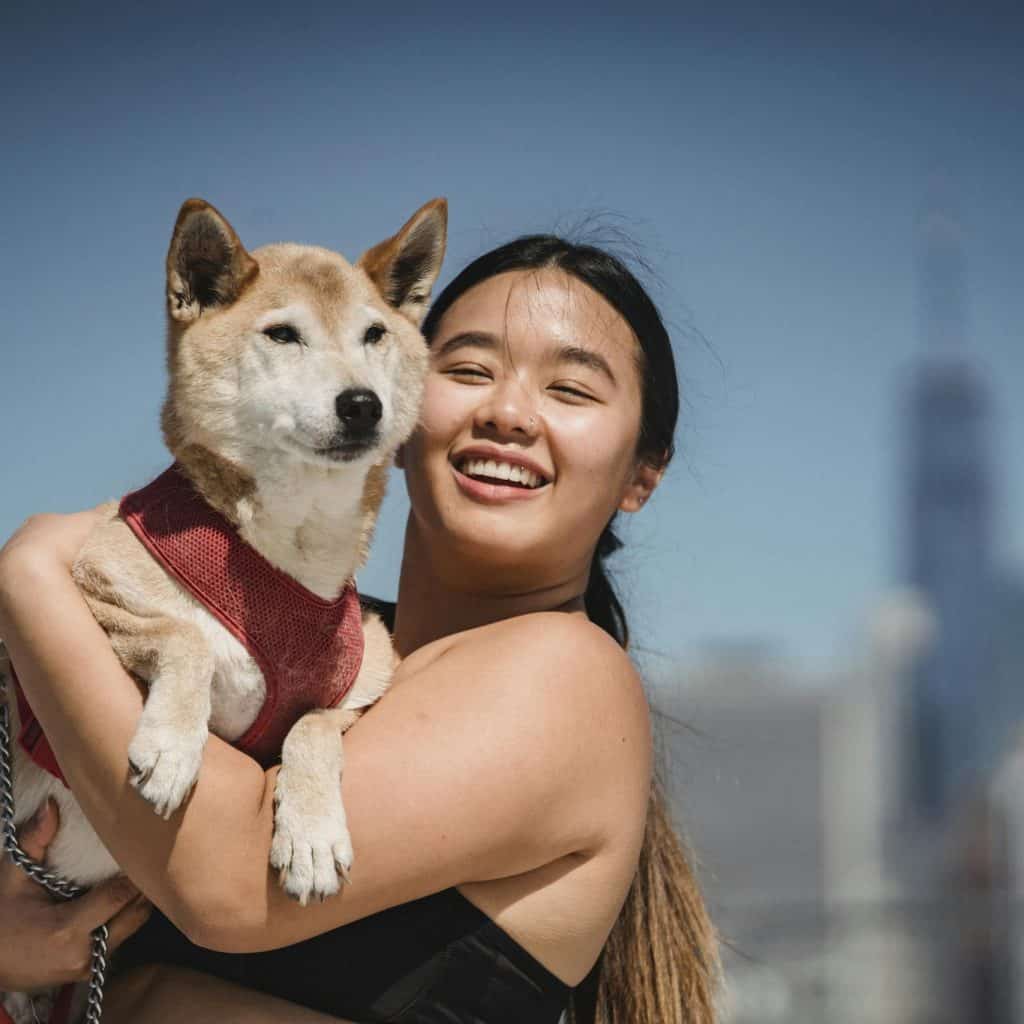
x=646 y=476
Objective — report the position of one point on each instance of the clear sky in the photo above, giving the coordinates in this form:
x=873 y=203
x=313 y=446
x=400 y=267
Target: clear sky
x=771 y=164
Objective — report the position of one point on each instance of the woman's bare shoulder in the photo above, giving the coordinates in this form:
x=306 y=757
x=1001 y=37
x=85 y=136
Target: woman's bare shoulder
x=571 y=641
x=563 y=661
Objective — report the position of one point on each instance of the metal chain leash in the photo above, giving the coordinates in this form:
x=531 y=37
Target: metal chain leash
x=51 y=882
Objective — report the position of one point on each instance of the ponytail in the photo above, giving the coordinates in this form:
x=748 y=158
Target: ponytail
x=660 y=964
x=602 y=603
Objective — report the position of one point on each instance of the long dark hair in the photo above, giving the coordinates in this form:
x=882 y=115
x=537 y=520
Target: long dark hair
x=660 y=964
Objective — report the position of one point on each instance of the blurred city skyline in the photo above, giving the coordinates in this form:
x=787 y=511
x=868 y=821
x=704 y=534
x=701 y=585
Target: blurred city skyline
x=772 y=165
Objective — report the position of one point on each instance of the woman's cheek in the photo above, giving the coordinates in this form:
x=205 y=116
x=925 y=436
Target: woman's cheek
x=433 y=409
x=596 y=444
x=447 y=407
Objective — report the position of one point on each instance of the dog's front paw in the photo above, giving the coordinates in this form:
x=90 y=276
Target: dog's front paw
x=312 y=848
x=164 y=764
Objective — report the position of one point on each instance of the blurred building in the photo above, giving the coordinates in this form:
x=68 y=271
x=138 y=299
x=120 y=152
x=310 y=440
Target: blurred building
x=967 y=695
x=1008 y=642
x=950 y=563
x=1004 y=880
x=782 y=779
x=966 y=690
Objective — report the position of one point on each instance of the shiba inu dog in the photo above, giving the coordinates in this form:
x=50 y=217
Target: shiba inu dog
x=293 y=378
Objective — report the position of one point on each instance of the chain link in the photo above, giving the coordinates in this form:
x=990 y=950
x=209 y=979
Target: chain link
x=51 y=882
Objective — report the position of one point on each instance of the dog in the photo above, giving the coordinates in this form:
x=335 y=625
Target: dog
x=294 y=376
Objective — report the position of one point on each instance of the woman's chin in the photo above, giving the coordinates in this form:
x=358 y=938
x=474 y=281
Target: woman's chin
x=496 y=550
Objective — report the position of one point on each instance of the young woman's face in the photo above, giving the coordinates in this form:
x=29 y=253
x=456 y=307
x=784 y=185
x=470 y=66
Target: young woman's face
x=528 y=435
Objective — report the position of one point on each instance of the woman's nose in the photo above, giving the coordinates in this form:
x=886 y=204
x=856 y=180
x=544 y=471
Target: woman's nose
x=509 y=410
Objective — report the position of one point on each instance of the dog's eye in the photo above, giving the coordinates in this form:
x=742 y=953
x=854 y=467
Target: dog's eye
x=374 y=333
x=283 y=333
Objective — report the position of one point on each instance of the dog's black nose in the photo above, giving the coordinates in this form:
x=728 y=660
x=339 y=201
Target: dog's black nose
x=359 y=409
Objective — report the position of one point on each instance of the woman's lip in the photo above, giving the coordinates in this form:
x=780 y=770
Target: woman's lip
x=493 y=494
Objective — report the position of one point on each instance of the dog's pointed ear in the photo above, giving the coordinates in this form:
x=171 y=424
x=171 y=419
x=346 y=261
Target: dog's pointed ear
x=207 y=265
x=405 y=267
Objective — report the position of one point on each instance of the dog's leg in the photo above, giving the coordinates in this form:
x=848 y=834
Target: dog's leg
x=311 y=845
x=174 y=658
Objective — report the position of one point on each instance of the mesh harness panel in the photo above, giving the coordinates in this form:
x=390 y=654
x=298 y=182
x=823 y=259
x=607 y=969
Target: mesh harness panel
x=308 y=649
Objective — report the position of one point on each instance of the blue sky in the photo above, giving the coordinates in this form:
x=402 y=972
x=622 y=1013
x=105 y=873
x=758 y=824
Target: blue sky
x=771 y=165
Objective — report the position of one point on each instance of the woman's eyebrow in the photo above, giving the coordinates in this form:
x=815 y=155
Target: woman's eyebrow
x=585 y=357
x=467 y=339
x=564 y=354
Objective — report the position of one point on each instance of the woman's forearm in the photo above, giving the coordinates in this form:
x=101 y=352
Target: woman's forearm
x=194 y=866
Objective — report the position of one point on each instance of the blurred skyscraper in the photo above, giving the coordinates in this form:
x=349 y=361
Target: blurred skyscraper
x=949 y=542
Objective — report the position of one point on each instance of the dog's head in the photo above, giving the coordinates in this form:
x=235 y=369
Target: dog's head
x=292 y=350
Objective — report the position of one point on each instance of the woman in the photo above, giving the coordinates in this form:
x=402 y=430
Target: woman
x=499 y=796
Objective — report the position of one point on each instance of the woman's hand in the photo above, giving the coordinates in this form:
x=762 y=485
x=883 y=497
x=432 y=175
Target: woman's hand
x=47 y=943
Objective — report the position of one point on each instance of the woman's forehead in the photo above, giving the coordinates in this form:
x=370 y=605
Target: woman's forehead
x=541 y=308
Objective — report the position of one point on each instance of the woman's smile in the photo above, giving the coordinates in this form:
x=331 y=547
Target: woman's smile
x=493 y=476
x=482 y=486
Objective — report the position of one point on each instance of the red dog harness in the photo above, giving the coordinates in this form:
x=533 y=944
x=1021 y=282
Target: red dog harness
x=308 y=649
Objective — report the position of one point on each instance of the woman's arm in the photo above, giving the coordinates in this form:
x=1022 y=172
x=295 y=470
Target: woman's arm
x=501 y=756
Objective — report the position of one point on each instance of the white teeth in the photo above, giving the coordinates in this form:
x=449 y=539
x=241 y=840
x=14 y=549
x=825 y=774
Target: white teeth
x=501 y=471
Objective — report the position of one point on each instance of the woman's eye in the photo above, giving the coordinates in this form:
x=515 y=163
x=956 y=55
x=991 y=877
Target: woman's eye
x=374 y=333
x=472 y=372
x=285 y=334
x=568 y=389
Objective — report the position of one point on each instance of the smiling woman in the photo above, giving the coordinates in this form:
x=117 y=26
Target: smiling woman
x=514 y=858
x=531 y=369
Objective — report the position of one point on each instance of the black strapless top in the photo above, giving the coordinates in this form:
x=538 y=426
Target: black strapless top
x=435 y=960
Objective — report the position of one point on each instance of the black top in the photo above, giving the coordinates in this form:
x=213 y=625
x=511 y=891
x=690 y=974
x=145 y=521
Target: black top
x=435 y=960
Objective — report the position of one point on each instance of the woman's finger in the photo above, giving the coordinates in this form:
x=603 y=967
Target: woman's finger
x=128 y=920
x=102 y=902
x=36 y=834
